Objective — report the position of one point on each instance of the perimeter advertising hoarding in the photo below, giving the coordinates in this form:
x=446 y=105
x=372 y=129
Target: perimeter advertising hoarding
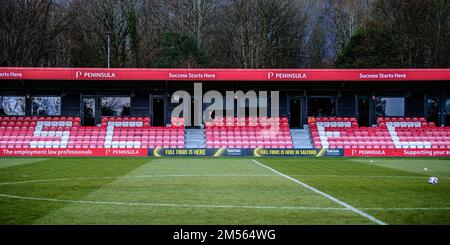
x=397 y=152
x=48 y=152
x=165 y=152
x=286 y=152
x=200 y=152
x=258 y=152
x=222 y=152
x=162 y=152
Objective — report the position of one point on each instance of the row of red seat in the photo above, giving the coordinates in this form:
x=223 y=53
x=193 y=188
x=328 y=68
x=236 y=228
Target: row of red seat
x=421 y=124
x=424 y=133
x=261 y=132
x=331 y=119
x=401 y=119
x=136 y=122
x=412 y=132
x=52 y=132
x=125 y=119
x=33 y=124
x=254 y=133
x=119 y=131
x=35 y=119
x=249 y=144
x=248 y=121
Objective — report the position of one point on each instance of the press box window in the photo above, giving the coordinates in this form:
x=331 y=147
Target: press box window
x=116 y=106
x=12 y=106
x=320 y=107
x=46 y=106
x=390 y=107
x=447 y=112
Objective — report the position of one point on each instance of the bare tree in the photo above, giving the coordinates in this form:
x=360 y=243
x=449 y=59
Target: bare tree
x=224 y=33
x=260 y=33
x=192 y=17
x=347 y=17
x=420 y=30
x=28 y=30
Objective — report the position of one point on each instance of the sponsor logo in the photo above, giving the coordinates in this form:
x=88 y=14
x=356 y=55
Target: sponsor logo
x=234 y=152
x=238 y=151
x=382 y=76
x=192 y=76
x=285 y=152
x=73 y=152
x=369 y=152
x=426 y=153
x=47 y=152
x=11 y=74
x=335 y=152
x=282 y=75
x=418 y=152
x=82 y=75
x=124 y=152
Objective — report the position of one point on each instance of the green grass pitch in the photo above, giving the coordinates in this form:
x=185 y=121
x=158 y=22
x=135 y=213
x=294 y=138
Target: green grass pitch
x=223 y=191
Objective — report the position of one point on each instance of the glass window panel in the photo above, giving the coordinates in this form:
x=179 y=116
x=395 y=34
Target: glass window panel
x=12 y=106
x=89 y=107
x=46 y=106
x=447 y=106
x=320 y=107
x=390 y=107
x=116 y=106
x=447 y=112
x=433 y=109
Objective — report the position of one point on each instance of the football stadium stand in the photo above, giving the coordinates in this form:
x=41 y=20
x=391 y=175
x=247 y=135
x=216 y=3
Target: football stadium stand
x=228 y=132
x=390 y=133
x=258 y=132
x=66 y=132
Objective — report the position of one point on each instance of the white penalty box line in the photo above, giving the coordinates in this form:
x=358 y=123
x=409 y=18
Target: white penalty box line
x=181 y=205
x=185 y=205
x=328 y=196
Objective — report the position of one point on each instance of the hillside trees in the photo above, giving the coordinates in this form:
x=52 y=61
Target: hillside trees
x=225 y=33
x=401 y=34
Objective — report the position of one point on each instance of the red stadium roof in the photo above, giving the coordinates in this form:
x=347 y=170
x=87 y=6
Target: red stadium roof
x=22 y=73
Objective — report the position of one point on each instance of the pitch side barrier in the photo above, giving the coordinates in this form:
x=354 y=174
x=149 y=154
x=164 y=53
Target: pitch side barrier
x=259 y=152
x=222 y=152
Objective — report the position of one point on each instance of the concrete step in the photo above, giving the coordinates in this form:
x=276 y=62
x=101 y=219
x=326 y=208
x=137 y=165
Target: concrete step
x=301 y=138
x=194 y=138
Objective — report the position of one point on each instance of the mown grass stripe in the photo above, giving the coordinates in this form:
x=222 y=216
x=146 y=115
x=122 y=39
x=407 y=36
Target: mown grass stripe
x=170 y=204
x=137 y=176
x=334 y=199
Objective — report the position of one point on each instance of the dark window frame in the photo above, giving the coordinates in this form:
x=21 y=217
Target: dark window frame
x=25 y=104
x=334 y=98
x=47 y=96
x=100 y=98
x=390 y=97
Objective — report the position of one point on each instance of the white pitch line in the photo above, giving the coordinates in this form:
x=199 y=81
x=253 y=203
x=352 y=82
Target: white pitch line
x=137 y=176
x=35 y=181
x=209 y=175
x=367 y=176
x=334 y=199
x=406 y=209
x=210 y=206
x=170 y=204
